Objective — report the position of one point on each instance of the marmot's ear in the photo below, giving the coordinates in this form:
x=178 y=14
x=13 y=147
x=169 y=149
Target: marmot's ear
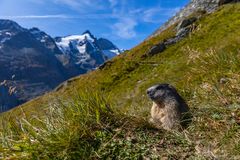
x=171 y=87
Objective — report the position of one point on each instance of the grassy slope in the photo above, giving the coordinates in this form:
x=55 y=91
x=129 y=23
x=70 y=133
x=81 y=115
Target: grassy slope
x=196 y=65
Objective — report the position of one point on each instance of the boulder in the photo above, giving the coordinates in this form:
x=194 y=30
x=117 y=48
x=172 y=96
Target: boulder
x=186 y=22
x=104 y=65
x=170 y=41
x=183 y=32
x=157 y=49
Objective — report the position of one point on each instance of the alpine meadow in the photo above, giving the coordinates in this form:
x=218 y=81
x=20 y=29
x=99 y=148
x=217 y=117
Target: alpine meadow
x=102 y=111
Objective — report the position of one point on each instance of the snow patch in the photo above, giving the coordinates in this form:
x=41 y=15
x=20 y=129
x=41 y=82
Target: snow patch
x=81 y=49
x=111 y=53
x=77 y=41
x=116 y=51
x=77 y=38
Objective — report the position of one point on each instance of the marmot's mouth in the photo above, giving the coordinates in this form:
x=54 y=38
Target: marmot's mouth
x=150 y=95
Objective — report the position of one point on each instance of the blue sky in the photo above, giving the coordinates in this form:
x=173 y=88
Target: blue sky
x=125 y=22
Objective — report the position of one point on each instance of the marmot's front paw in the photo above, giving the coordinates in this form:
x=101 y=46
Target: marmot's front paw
x=151 y=121
x=155 y=124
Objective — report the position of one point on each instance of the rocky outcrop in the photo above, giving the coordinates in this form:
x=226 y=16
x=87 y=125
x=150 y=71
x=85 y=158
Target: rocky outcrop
x=186 y=22
x=208 y=6
x=183 y=29
x=158 y=48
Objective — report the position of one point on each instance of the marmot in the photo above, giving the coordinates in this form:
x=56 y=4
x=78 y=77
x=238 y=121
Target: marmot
x=169 y=109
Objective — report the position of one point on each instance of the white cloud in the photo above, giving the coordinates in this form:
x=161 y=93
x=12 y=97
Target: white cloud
x=125 y=28
x=35 y=17
x=68 y=3
x=130 y=18
x=61 y=16
x=71 y=3
x=82 y=5
x=153 y=15
x=37 y=2
x=113 y=3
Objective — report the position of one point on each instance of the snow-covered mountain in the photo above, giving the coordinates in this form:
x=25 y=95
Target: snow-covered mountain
x=32 y=62
x=86 y=51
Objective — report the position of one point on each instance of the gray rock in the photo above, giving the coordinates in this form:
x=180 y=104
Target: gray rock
x=104 y=65
x=183 y=32
x=156 y=49
x=186 y=22
x=183 y=29
x=170 y=41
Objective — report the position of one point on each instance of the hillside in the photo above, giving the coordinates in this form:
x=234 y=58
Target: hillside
x=103 y=114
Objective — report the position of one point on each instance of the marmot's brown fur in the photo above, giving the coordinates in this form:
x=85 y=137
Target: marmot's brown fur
x=169 y=108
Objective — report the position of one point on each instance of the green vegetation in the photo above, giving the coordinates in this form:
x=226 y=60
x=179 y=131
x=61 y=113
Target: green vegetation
x=103 y=114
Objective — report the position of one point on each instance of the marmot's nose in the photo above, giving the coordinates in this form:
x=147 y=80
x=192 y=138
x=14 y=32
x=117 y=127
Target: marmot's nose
x=149 y=91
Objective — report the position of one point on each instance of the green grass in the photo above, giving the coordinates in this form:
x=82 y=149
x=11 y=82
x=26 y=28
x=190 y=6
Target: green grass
x=112 y=121
x=69 y=130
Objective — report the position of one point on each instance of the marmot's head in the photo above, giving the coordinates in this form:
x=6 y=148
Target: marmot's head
x=158 y=93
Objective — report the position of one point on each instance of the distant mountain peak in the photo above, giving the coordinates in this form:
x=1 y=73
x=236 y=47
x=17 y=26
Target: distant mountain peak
x=86 y=47
x=34 y=29
x=8 y=29
x=87 y=32
x=6 y=24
